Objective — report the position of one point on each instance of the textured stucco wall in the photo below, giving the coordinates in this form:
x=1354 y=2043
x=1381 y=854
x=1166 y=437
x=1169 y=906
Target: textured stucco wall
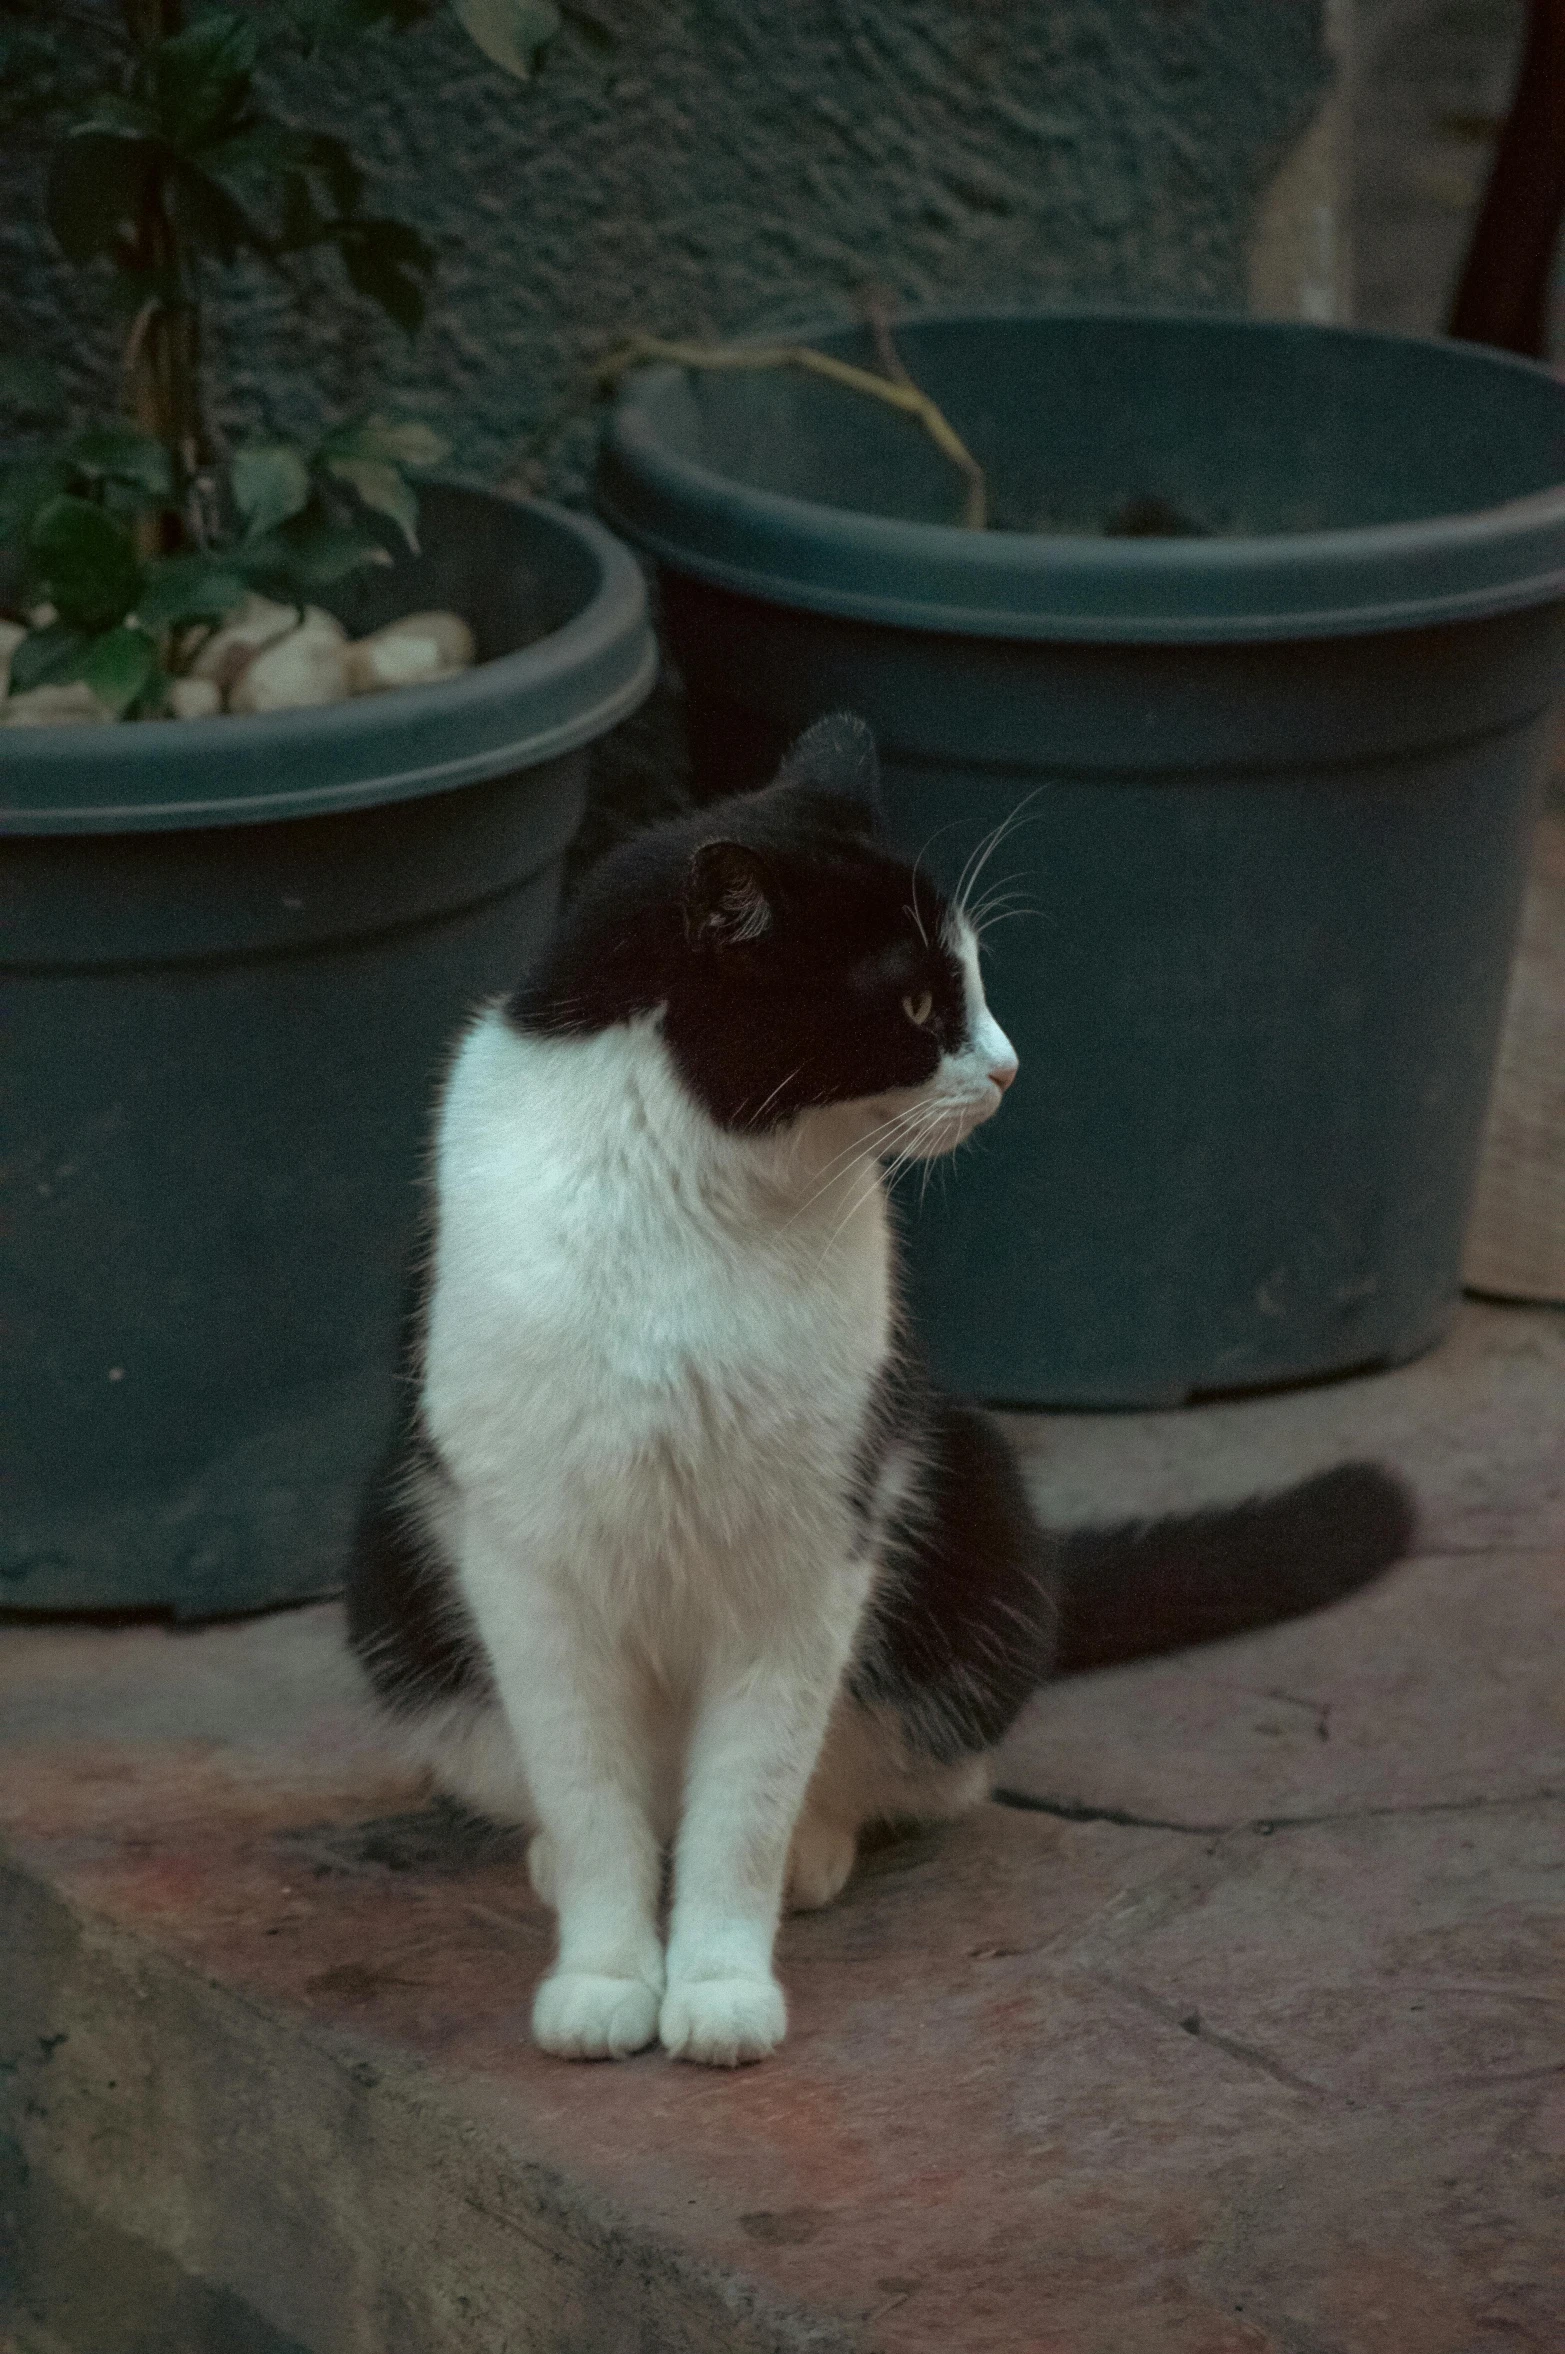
x=736 y=163
x=1300 y=253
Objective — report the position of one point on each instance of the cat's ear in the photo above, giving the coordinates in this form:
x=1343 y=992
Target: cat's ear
x=728 y=897
x=835 y=763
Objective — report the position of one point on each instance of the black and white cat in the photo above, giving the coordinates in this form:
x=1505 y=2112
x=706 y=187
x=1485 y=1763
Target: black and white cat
x=683 y=1559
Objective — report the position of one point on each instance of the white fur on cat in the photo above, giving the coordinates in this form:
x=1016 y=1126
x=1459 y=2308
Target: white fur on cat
x=650 y=1351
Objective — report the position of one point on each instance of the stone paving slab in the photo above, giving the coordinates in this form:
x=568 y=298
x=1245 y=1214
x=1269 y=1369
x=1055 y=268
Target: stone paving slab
x=1441 y=1685
x=1053 y=2087
x=1477 y=1427
x=1423 y=1956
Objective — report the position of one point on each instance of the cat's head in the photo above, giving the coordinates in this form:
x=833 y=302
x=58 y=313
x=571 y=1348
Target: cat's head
x=796 y=962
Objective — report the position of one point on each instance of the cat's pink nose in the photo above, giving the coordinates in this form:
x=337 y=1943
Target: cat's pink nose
x=1003 y=1073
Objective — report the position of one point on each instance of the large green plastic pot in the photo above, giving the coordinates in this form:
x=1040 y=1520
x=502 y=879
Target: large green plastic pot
x=1273 y=787
x=232 y=958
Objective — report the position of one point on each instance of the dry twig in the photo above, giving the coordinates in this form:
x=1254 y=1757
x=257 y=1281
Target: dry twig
x=898 y=392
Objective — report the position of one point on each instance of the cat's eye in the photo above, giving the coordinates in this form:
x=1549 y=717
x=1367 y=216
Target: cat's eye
x=918 y=1009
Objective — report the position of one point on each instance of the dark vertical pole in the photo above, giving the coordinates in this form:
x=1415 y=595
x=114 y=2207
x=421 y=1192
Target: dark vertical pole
x=1503 y=297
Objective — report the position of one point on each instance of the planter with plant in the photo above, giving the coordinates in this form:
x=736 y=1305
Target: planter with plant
x=1249 y=632
x=241 y=924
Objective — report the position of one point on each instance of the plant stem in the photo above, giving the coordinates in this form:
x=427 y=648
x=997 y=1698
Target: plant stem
x=897 y=393
x=878 y=305
x=162 y=362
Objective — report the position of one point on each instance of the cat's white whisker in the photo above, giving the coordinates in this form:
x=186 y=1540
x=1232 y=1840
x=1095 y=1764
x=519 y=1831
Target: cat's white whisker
x=1007 y=915
x=986 y=849
x=981 y=853
x=872 y=1184
x=1004 y=895
x=754 y=1117
x=886 y=1140
x=866 y=1149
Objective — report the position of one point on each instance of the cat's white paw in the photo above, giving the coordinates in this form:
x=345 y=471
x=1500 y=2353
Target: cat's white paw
x=819 y=1862
x=540 y=1866
x=723 y=2022
x=580 y=2015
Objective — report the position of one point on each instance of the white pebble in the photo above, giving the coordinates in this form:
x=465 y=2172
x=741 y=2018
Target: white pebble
x=195 y=698
x=298 y=671
x=72 y=706
x=257 y=622
x=413 y=651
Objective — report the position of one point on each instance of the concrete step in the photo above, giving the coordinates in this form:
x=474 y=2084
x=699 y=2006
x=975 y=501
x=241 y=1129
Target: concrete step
x=1236 y=2033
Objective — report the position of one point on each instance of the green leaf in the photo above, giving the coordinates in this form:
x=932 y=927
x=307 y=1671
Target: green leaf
x=383 y=488
x=118 y=454
x=117 y=117
x=210 y=217
x=119 y=667
x=303 y=222
x=201 y=78
x=179 y=589
x=509 y=32
x=394 y=441
x=26 y=487
x=385 y=261
x=594 y=34
x=316 y=158
x=30 y=390
x=271 y=482
x=84 y=562
x=308 y=556
x=331 y=160
x=98 y=184
x=49 y=657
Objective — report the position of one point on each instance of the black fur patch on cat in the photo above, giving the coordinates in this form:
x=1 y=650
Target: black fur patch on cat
x=406 y=1619
x=781 y=940
x=961 y=1631
x=1160 y=1585
x=982 y=1606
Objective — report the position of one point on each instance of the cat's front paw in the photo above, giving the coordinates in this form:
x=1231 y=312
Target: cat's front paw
x=581 y=2015
x=819 y=1862
x=723 y=2022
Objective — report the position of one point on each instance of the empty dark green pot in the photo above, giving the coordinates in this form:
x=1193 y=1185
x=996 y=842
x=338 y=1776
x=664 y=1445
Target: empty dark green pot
x=1257 y=667
x=233 y=956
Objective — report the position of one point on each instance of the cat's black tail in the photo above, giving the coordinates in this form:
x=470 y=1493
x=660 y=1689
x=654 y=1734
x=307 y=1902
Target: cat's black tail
x=1160 y=1585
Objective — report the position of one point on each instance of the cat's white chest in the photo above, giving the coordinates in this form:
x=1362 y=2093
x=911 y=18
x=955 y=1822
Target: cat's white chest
x=641 y=1354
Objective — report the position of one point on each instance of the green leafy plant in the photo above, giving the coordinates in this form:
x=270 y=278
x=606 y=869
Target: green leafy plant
x=124 y=538
x=122 y=619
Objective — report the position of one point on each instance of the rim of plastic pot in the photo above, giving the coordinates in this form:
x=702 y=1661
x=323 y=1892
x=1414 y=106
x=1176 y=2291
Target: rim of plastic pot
x=1008 y=584
x=562 y=691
